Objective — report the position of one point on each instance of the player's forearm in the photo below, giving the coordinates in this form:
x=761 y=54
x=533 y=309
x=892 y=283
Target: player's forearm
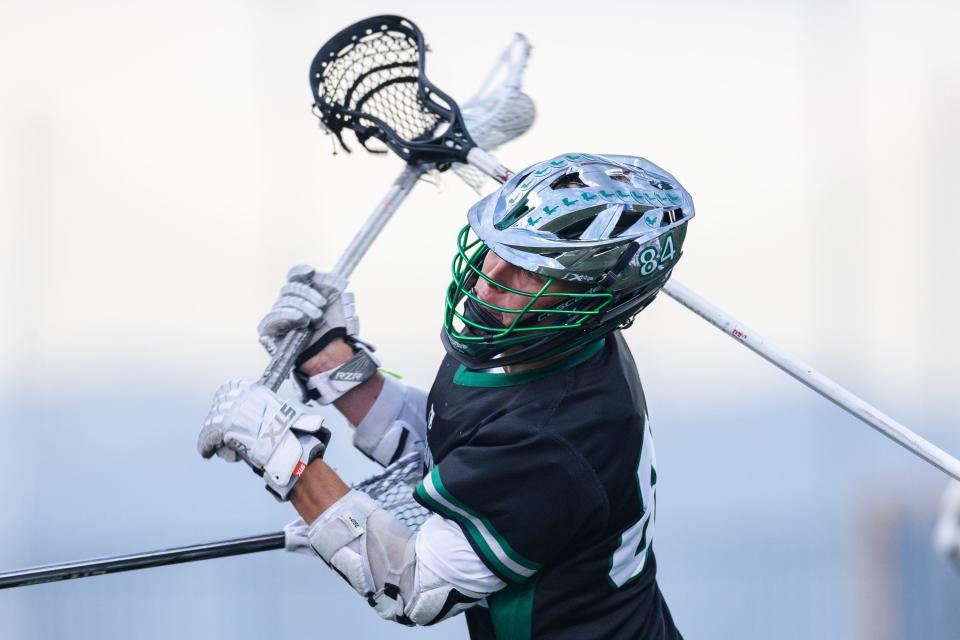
x=353 y=405
x=389 y=417
x=318 y=488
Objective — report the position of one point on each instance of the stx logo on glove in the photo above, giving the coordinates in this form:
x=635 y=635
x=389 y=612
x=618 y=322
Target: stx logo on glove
x=281 y=420
x=239 y=447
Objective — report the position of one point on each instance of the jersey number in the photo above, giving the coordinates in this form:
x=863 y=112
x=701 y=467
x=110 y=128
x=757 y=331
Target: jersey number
x=630 y=557
x=651 y=258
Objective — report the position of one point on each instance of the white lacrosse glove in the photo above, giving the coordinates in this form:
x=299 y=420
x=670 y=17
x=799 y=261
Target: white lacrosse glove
x=318 y=301
x=276 y=438
x=309 y=299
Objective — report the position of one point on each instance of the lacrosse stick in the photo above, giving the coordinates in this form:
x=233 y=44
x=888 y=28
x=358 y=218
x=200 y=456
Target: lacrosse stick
x=386 y=119
x=809 y=376
x=497 y=114
x=392 y=489
x=376 y=66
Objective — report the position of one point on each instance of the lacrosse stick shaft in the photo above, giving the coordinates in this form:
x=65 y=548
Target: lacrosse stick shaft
x=486 y=163
x=282 y=363
x=391 y=488
x=795 y=367
x=145 y=560
x=375 y=223
x=809 y=376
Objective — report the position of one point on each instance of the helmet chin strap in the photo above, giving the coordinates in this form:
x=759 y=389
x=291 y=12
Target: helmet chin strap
x=476 y=312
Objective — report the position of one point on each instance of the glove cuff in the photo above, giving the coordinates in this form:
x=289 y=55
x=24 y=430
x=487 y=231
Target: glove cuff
x=328 y=386
x=319 y=345
x=304 y=442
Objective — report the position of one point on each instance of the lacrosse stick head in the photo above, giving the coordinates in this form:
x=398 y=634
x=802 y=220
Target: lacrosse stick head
x=370 y=78
x=500 y=111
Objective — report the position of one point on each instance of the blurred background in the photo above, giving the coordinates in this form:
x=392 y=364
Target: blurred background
x=160 y=170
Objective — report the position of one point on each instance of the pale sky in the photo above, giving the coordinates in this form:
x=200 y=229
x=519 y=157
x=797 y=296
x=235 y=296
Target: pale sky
x=160 y=170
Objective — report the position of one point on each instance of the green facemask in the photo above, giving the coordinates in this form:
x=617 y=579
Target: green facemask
x=482 y=333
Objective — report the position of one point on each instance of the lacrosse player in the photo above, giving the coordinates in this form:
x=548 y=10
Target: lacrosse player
x=539 y=465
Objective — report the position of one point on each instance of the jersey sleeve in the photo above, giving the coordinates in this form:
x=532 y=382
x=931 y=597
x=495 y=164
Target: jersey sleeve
x=521 y=496
x=442 y=547
x=395 y=425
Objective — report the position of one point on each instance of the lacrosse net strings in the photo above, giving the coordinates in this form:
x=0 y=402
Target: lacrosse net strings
x=499 y=111
x=393 y=490
x=379 y=74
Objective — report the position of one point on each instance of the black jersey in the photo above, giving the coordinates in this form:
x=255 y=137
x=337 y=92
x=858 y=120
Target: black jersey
x=550 y=474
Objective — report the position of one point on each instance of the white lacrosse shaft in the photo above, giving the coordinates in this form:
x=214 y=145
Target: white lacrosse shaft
x=282 y=363
x=794 y=366
x=814 y=379
x=486 y=163
x=375 y=223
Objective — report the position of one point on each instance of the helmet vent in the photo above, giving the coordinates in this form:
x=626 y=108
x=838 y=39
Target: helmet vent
x=568 y=181
x=575 y=230
x=627 y=219
x=670 y=216
x=619 y=176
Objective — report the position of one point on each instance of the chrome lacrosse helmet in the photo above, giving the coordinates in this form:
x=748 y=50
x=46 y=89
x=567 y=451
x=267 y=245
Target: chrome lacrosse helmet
x=613 y=225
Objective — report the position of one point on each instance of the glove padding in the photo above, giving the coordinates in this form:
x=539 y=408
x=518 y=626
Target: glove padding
x=275 y=437
x=310 y=299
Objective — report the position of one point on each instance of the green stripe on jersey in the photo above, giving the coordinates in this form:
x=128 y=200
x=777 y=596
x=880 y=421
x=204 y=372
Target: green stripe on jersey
x=501 y=557
x=511 y=610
